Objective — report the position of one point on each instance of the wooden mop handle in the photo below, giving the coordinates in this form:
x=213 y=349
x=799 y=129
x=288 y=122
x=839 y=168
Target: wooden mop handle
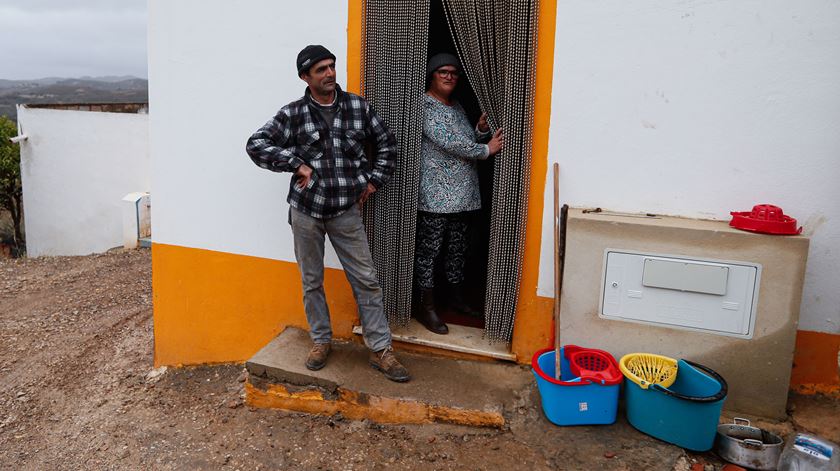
x=556 y=271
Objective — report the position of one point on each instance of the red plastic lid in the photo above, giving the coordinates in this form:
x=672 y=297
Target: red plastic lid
x=535 y=364
x=766 y=219
x=593 y=364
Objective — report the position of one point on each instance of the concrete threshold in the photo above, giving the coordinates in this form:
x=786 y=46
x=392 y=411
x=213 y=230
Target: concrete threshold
x=446 y=390
x=460 y=339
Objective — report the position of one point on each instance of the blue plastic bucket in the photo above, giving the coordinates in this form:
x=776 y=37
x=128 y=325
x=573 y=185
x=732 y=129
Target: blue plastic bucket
x=685 y=414
x=571 y=401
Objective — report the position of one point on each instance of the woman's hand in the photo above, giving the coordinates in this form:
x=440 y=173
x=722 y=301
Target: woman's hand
x=482 y=123
x=497 y=142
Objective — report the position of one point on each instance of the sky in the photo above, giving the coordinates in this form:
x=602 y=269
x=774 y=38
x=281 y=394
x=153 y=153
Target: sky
x=72 y=38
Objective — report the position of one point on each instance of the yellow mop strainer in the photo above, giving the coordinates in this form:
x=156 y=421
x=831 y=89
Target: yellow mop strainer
x=645 y=369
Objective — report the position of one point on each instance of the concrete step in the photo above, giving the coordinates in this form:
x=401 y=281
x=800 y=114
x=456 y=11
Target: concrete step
x=477 y=393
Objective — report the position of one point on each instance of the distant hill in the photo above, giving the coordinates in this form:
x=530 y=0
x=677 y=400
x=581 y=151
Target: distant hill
x=53 y=90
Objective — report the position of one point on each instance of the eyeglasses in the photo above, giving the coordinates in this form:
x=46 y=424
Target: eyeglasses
x=448 y=73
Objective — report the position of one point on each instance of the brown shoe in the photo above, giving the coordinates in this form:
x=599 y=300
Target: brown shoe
x=386 y=362
x=317 y=357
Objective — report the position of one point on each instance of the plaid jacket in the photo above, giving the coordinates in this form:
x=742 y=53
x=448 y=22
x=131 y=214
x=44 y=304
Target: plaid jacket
x=336 y=153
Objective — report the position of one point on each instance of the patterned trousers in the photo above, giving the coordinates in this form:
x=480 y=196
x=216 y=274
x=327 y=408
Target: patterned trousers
x=432 y=230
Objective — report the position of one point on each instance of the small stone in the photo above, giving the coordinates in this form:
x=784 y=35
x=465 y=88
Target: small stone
x=609 y=455
x=155 y=375
x=682 y=464
x=432 y=439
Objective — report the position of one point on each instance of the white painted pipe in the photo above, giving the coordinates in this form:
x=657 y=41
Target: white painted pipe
x=17 y=139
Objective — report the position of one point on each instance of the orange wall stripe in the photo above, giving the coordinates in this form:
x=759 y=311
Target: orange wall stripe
x=815 y=363
x=214 y=307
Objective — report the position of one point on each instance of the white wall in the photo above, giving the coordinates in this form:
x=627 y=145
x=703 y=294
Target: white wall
x=690 y=108
x=697 y=108
x=218 y=70
x=76 y=166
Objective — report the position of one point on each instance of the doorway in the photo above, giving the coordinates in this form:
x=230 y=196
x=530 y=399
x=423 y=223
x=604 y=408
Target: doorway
x=475 y=270
x=496 y=43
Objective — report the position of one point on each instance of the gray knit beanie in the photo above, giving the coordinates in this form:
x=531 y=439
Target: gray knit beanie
x=439 y=60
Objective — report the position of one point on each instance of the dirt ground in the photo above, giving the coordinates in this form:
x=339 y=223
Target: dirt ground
x=78 y=390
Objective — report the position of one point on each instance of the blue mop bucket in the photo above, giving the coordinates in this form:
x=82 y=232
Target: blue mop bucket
x=571 y=400
x=686 y=413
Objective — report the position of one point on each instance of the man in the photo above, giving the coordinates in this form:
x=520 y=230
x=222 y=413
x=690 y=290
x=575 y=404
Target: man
x=320 y=138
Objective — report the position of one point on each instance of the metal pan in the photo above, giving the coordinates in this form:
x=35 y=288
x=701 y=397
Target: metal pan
x=748 y=446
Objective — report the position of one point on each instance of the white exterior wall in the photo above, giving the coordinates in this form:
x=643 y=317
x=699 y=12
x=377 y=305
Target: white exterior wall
x=676 y=107
x=218 y=70
x=699 y=108
x=75 y=167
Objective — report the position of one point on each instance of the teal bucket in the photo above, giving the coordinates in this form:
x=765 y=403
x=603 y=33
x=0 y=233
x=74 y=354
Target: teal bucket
x=685 y=414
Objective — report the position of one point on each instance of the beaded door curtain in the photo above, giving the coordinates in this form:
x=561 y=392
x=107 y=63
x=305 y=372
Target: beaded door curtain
x=496 y=42
x=394 y=41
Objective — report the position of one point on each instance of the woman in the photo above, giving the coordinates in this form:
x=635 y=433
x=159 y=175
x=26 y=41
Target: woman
x=448 y=186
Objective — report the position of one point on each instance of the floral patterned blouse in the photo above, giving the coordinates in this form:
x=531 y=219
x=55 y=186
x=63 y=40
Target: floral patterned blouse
x=448 y=154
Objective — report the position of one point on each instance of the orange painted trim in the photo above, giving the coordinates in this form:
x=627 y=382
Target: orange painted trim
x=216 y=307
x=354 y=46
x=357 y=406
x=816 y=363
x=533 y=326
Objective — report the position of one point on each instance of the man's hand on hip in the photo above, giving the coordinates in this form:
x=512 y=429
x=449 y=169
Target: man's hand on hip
x=366 y=194
x=304 y=174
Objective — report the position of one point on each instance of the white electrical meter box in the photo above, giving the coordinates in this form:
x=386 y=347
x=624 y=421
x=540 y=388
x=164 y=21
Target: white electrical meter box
x=713 y=296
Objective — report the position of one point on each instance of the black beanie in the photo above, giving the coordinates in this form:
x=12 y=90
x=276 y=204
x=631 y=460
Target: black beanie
x=441 y=59
x=310 y=55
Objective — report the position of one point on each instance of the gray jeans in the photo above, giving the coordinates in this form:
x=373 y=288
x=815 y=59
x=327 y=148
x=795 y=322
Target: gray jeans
x=349 y=240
